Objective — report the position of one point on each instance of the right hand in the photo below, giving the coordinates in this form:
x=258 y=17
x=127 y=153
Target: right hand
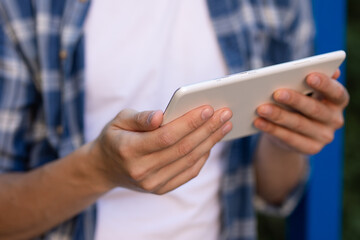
x=134 y=152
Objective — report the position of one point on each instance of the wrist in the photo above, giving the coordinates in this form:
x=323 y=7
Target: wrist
x=92 y=168
x=278 y=169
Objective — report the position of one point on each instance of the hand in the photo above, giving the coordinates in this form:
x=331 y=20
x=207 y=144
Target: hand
x=133 y=151
x=313 y=123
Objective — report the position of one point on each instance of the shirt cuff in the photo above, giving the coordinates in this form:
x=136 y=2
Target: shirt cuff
x=290 y=203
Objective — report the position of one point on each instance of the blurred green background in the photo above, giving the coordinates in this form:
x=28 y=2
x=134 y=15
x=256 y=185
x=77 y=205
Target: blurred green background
x=351 y=199
x=274 y=228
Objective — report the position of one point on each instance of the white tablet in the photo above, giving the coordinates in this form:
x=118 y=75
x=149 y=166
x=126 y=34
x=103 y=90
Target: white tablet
x=244 y=92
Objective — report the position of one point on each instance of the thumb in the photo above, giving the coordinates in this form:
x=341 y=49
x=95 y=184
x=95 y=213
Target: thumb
x=131 y=120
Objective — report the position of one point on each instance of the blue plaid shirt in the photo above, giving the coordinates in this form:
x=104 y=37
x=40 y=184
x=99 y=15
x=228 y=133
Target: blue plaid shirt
x=42 y=90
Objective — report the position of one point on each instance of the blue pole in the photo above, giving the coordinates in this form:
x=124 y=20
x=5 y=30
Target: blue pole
x=319 y=214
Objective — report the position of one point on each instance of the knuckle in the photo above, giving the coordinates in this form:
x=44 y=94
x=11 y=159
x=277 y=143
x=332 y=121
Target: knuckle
x=123 y=151
x=184 y=148
x=149 y=185
x=298 y=124
x=277 y=115
x=212 y=127
x=192 y=123
x=340 y=93
x=191 y=160
x=288 y=138
x=328 y=136
x=215 y=138
x=125 y=148
x=270 y=128
x=105 y=136
x=123 y=113
x=315 y=109
x=315 y=148
x=338 y=121
x=137 y=174
x=165 y=138
x=139 y=119
x=118 y=116
x=324 y=82
x=293 y=98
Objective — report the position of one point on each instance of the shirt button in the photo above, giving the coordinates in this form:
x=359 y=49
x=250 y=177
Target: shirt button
x=59 y=130
x=63 y=54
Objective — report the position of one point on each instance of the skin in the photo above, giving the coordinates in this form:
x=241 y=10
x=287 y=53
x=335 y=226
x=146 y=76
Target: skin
x=134 y=152
x=289 y=136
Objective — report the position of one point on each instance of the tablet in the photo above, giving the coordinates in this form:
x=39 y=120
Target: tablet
x=244 y=92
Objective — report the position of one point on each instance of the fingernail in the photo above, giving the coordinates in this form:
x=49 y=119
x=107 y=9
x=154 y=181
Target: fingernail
x=225 y=116
x=314 y=80
x=227 y=128
x=281 y=96
x=148 y=121
x=265 y=110
x=206 y=113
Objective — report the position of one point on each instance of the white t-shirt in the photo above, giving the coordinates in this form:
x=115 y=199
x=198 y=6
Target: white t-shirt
x=138 y=53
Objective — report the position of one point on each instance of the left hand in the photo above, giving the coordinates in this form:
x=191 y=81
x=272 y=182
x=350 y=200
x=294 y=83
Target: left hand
x=312 y=122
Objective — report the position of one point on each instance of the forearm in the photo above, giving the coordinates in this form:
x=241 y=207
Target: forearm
x=132 y=151
x=277 y=170
x=33 y=202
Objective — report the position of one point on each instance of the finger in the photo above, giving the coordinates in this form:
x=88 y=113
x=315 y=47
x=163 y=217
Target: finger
x=183 y=177
x=192 y=146
x=294 y=140
x=131 y=120
x=211 y=132
x=296 y=122
x=308 y=106
x=332 y=90
x=173 y=132
x=177 y=161
x=337 y=74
